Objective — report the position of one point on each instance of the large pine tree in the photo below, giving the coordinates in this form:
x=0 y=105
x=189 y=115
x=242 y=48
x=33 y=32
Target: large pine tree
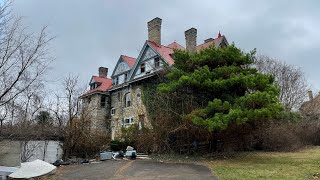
x=224 y=85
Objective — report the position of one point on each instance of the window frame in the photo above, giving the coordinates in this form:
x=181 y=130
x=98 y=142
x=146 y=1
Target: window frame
x=103 y=103
x=113 y=111
x=127 y=100
x=142 y=67
x=156 y=62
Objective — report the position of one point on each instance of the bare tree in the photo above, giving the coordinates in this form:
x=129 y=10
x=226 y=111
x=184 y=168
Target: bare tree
x=69 y=103
x=24 y=57
x=290 y=79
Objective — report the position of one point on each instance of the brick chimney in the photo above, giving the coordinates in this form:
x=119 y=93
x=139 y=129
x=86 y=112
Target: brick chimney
x=191 y=39
x=103 y=72
x=310 y=95
x=154 y=30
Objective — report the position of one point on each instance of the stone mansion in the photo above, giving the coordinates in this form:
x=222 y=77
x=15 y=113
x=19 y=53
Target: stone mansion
x=116 y=101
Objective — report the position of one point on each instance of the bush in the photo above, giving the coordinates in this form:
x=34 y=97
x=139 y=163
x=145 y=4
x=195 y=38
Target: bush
x=141 y=139
x=117 y=145
x=271 y=136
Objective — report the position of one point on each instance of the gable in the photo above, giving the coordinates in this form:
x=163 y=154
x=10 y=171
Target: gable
x=121 y=67
x=148 y=54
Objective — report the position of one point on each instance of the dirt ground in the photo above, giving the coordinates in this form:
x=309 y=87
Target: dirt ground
x=133 y=169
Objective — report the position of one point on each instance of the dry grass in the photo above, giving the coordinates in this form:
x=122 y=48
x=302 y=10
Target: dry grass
x=304 y=164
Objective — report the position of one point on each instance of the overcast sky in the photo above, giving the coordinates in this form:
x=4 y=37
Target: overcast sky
x=95 y=33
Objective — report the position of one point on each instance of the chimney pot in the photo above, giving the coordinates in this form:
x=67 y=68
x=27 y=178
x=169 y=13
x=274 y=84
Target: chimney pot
x=103 y=72
x=154 y=30
x=191 y=39
x=310 y=94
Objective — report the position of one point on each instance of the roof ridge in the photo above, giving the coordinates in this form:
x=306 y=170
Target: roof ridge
x=101 y=77
x=127 y=56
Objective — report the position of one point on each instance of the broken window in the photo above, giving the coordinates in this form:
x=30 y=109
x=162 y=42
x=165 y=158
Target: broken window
x=103 y=101
x=127 y=100
x=156 y=62
x=93 y=86
x=125 y=76
x=142 y=68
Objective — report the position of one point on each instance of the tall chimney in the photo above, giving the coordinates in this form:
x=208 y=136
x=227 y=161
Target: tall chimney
x=103 y=72
x=154 y=30
x=191 y=39
x=310 y=95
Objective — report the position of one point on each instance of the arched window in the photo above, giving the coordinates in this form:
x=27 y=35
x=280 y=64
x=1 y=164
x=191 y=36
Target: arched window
x=127 y=100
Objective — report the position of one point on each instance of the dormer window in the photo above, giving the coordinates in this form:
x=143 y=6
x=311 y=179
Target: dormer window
x=116 y=81
x=156 y=62
x=93 y=86
x=142 y=68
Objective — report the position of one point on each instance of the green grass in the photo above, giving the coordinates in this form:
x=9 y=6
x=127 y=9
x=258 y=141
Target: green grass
x=304 y=164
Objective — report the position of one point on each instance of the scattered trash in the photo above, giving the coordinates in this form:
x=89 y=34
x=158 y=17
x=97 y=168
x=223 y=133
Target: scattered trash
x=129 y=148
x=32 y=169
x=66 y=163
x=84 y=161
x=105 y=155
x=133 y=155
x=57 y=163
x=129 y=153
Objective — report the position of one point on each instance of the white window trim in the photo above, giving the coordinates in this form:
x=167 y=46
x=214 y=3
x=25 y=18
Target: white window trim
x=124 y=124
x=113 y=110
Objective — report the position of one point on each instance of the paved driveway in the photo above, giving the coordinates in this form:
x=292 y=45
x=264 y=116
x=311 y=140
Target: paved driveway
x=134 y=169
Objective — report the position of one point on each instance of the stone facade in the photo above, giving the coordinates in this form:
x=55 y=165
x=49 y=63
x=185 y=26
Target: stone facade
x=127 y=108
x=123 y=91
x=97 y=110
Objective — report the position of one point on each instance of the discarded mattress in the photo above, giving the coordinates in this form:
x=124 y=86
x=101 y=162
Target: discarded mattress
x=33 y=169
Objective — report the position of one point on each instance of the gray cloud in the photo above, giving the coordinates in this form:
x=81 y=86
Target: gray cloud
x=95 y=33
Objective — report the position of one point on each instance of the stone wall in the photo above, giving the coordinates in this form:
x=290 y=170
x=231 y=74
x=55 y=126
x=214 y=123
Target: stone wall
x=137 y=110
x=99 y=115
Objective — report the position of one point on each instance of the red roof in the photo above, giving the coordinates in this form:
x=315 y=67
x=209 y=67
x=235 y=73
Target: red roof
x=216 y=42
x=164 y=51
x=167 y=51
x=175 y=45
x=105 y=84
x=129 y=60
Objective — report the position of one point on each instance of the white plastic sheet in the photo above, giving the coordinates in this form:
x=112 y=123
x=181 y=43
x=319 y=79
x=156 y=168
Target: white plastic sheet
x=33 y=169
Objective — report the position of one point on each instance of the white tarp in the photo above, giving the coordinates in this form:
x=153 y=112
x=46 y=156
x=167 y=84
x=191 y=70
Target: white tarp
x=33 y=169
